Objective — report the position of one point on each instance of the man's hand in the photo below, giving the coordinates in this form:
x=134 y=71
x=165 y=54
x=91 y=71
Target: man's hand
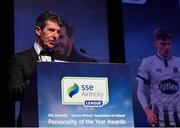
x=151 y=116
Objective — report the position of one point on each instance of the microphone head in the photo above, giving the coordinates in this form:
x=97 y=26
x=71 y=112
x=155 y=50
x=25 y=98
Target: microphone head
x=83 y=51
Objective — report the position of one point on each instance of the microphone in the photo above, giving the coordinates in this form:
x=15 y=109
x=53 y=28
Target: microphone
x=84 y=51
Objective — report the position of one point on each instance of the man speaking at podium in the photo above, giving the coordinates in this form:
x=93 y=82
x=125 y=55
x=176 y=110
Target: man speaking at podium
x=22 y=65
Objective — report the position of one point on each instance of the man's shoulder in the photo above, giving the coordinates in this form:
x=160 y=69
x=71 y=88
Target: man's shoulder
x=24 y=54
x=149 y=58
x=175 y=59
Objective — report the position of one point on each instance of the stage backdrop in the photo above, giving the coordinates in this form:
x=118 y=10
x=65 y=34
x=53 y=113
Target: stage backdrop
x=87 y=16
x=140 y=18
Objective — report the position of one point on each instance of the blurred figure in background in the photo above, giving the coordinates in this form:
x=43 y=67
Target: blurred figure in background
x=160 y=75
x=64 y=45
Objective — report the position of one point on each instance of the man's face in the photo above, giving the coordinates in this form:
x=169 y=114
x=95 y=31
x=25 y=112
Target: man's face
x=64 y=43
x=49 y=34
x=164 y=47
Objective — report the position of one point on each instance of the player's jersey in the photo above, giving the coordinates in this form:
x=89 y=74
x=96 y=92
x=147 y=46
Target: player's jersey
x=163 y=78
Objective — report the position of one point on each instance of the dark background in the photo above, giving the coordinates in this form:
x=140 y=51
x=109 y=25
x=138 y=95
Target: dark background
x=116 y=49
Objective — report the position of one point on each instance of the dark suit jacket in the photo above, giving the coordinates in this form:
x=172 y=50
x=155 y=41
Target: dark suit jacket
x=21 y=68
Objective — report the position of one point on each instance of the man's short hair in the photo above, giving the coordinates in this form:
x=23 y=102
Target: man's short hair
x=45 y=16
x=69 y=28
x=162 y=34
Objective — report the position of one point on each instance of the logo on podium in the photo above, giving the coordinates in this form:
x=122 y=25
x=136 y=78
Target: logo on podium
x=87 y=91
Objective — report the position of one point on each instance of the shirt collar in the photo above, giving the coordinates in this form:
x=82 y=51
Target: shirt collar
x=37 y=48
x=163 y=58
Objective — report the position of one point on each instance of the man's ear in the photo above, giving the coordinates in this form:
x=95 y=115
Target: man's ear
x=155 y=44
x=37 y=30
x=71 y=39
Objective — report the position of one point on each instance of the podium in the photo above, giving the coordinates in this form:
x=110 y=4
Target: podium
x=79 y=95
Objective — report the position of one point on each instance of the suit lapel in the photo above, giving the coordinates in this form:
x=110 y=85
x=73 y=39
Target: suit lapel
x=33 y=58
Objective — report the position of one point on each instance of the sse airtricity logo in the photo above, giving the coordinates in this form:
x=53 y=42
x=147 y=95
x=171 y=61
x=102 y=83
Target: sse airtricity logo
x=73 y=90
x=87 y=91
